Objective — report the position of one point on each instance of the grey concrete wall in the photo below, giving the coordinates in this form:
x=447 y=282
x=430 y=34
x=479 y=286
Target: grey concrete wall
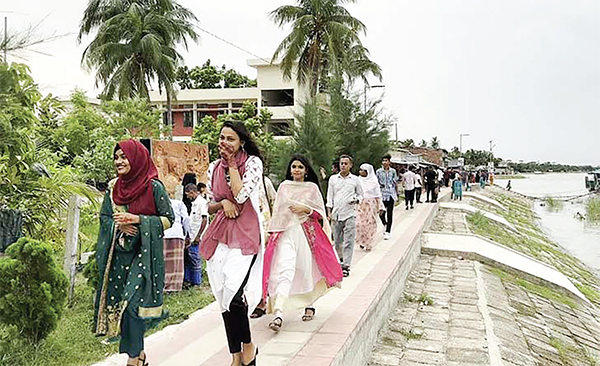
x=357 y=349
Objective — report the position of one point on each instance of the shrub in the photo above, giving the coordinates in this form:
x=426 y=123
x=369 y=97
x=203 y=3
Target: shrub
x=593 y=209
x=33 y=289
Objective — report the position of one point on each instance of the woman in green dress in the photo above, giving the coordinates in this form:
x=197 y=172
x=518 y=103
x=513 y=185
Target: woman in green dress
x=135 y=212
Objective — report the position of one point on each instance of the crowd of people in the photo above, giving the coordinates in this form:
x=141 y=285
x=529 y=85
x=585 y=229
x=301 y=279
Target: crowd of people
x=266 y=250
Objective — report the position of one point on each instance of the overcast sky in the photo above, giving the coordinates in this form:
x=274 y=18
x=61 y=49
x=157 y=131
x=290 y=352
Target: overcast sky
x=523 y=73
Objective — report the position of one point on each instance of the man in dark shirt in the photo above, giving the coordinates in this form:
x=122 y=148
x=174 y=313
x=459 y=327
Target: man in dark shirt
x=430 y=182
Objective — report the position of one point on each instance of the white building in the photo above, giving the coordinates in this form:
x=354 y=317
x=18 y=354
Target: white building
x=281 y=97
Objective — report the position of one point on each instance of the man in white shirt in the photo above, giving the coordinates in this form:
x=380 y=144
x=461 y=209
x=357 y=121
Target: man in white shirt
x=409 y=179
x=343 y=195
x=418 y=186
x=198 y=224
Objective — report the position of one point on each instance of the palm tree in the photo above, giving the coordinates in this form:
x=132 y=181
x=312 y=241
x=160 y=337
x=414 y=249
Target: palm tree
x=423 y=143
x=435 y=143
x=135 y=44
x=322 y=33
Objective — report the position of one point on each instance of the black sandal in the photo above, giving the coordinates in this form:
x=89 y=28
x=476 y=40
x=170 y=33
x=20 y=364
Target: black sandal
x=253 y=362
x=257 y=313
x=276 y=324
x=308 y=317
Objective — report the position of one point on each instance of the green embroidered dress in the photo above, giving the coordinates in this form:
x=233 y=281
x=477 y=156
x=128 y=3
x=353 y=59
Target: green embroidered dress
x=131 y=272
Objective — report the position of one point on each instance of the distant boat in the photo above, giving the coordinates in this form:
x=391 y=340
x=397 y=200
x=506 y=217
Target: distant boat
x=537 y=172
x=592 y=181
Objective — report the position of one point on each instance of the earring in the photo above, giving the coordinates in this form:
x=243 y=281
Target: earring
x=306 y=175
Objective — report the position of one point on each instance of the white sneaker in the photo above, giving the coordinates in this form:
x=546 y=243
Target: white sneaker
x=386 y=236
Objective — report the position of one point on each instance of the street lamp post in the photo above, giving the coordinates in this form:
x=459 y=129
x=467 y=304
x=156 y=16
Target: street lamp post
x=365 y=93
x=461 y=136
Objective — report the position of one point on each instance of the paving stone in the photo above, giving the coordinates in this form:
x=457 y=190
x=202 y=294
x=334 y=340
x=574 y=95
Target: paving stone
x=470 y=324
x=476 y=356
x=517 y=358
x=391 y=338
x=399 y=326
x=463 y=307
x=433 y=358
x=466 y=315
x=459 y=342
x=440 y=335
x=464 y=300
x=466 y=333
x=385 y=355
x=425 y=345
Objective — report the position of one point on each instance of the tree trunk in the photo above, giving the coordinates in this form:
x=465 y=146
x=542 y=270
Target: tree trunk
x=169 y=115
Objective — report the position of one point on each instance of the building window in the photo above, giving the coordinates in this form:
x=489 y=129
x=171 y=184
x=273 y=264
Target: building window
x=202 y=106
x=166 y=118
x=237 y=105
x=188 y=119
x=184 y=106
x=202 y=114
x=279 y=127
x=223 y=105
x=277 y=98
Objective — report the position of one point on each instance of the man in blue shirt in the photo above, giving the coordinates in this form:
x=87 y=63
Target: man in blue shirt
x=388 y=180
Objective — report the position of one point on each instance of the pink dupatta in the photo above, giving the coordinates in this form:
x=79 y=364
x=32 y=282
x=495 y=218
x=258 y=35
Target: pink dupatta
x=243 y=232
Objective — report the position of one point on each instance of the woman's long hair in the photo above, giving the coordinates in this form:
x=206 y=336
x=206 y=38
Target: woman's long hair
x=311 y=176
x=248 y=143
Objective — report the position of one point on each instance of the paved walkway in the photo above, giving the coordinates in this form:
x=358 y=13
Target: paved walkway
x=201 y=339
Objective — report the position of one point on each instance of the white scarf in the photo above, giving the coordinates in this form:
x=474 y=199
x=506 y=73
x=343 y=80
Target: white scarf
x=370 y=183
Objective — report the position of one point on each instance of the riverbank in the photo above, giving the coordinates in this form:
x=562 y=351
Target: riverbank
x=486 y=314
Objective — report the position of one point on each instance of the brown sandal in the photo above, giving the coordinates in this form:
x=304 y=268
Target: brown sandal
x=140 y=361
x=276 y=324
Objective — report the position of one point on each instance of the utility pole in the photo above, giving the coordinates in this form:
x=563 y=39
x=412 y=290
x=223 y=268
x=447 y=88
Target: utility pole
x=492 y=154
x=461 y=136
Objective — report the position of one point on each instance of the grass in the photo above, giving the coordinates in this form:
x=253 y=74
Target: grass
x=411 y=334
x=553 y=204
x=74 y=344
x=423 y=299
x=590 y=356
x=531 y=240
x=513 y=176
x=592 y=209
x=543 y=291
x=561 y=348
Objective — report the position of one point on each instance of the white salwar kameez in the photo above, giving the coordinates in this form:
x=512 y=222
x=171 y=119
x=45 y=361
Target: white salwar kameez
x=295 y=281
x=228 y=267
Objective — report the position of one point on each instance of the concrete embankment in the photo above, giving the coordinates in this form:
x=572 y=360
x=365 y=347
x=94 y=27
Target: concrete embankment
x=464 y=309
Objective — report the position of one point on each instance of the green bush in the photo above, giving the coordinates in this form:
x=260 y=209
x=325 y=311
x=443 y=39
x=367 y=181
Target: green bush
x=33 y=289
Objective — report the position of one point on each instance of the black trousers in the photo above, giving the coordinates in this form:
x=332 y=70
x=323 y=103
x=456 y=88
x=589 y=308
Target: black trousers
x=409 y=197
x=387 y=216
x=431 y=191
x=237 y=324
x=418 y=194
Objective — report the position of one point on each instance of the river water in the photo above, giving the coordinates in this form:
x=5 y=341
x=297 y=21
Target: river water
x=578 y=237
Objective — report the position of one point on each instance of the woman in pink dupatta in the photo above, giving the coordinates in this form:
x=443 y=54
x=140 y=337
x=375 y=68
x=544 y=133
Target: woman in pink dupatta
x=300 y=263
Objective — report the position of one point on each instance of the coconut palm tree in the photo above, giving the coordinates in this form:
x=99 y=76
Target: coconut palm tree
x=435 y=143
x=322 y=33
x=135 y=44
